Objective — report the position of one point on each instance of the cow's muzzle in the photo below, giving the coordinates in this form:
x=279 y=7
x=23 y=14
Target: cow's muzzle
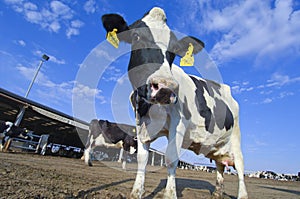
x=161 y=93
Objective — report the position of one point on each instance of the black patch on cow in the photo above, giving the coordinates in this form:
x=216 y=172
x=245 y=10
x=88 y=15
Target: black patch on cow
x=3 y=126
x=163 y=96
x=223 y=115
x=186 y=111
x=128 y=142
x=202 y=107
x=112 y=21
x=94 y=128
x=143 y=106
x=213 y=85
x=16 y=131
x=170 y=54
x=112 y=133
x=144 y=50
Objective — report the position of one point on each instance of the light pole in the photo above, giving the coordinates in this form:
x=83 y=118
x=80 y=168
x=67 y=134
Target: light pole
x=22 y=111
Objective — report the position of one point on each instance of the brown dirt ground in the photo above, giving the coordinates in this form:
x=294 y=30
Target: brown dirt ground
x=35 y=176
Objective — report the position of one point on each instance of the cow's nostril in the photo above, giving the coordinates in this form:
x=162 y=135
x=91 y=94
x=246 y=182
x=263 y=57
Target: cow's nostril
x=154 y=86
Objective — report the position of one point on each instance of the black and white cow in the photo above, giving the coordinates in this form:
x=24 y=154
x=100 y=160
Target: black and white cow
x=9 y=130
x=110 y=135
x=192 y=112
x=4 y=125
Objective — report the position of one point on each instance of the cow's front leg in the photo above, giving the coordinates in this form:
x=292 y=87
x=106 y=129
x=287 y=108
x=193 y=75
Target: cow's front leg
x=142 y=159
x=172 y=157
x=121 y=155
x=170 y=192
x=87 y=156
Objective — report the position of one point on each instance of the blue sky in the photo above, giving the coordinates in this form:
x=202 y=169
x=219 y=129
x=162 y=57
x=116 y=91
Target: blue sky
x=255 y=45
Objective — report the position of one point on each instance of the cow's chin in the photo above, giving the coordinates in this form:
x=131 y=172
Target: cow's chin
x=163 y=96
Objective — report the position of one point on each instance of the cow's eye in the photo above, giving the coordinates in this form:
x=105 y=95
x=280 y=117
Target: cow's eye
x=135 y=37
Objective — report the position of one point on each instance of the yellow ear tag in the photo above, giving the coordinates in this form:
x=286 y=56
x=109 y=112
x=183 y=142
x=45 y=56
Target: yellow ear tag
x=112 y=38
x=188 y=59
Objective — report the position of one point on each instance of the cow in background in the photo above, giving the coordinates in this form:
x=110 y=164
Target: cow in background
x=105 y=134
x=8 y=130
x=192 y=112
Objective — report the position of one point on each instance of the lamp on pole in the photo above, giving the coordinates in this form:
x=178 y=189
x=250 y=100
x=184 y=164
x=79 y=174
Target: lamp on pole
x=22 y=111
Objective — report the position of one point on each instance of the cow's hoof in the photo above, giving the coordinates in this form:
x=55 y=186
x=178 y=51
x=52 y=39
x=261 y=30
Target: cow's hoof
x=217 y=195
x=170 y=194
x=136 y=194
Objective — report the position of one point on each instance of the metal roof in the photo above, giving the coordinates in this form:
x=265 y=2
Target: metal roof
x=64 y=129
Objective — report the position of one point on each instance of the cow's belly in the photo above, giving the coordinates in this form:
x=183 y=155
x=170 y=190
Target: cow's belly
x=214 y=145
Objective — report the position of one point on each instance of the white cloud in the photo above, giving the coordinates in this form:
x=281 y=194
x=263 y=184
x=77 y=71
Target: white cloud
x=54 y=26
x=51 y=17
x=52 y=58
x=90 y=6
x=103 y=54
x=278 y=96
x=278 y=80
x=239 y=87
x=271 y=90
x=58 y=92
x=83 y=91
x=77 y=24
x=267 y=101
x=21 y=42
x=112 y=74
x=30 y=6
x=74 y=29
x=26 y=72
x=248 y=28
x=285 y=94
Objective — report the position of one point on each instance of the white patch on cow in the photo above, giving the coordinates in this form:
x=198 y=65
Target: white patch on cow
x=161 y=33
x=9 y=124
x=156 y=21
x=132 y=150
x=100 y=141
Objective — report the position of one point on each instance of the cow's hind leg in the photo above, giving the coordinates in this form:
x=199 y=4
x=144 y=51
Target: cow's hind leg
x=219 y=191
x=239 y=162
x=124 y=159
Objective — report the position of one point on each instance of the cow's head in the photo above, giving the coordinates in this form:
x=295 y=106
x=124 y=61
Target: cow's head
x=153 y=49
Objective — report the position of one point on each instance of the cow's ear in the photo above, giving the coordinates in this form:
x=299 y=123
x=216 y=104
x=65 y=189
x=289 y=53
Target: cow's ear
x=115 y=21
x=181 y=46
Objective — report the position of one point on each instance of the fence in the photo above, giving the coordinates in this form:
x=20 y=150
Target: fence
x=35 y=144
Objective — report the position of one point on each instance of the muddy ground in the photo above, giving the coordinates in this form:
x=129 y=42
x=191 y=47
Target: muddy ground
x=35 y=176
